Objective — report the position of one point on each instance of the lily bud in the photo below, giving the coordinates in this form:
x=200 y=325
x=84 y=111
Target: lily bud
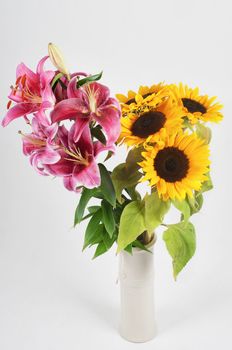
x=57 y=59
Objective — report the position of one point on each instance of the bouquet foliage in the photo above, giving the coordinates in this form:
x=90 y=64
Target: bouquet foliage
x=73 y=118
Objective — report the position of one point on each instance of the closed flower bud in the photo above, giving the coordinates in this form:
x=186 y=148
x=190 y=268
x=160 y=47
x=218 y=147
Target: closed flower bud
x=57 y=59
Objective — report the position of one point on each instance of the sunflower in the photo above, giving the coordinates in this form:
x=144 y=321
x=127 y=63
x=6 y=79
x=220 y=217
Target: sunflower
x=150 y=119
x=196 y=107
x=144 y=94
x=178 y=167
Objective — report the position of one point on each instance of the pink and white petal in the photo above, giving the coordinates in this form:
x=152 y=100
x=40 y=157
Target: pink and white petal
x=35 y=125
x=110 y=122
x=62 y=168
x=49 y=156
x=46 y=78
x=28 y=147
x=17 y=111
x=42 y=118
x=80 y=93
x=72 y=89
x=15 y=96
x=45 y=105
x=22 y=70
x=88 y=176
x=99 y=147
x=35 y=162
x=40 y=66
x=113 y=103
x=63 y=135
x=51 y=132
x=68 y=183
x=48 y=96
x=68 y=109
x=80 y=133
x=99 y=92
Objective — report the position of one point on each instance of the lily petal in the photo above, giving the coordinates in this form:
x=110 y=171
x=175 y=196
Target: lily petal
x=99 y=147
x=48 y=96
x=49 y=156
x=63 y=135
x=28 y=147
x=34 y=160
x=72 y=89
x=77 y=130
x=91 y=93
x=68 y=183
x=100 y=93
x=87 y=176
x=17 y=111
x=42 y=118
x=40 y=66
x=62 y=168
x=46 y=78
x=22 y=70
x=109 y=119
x=68 y=109
x=15 y=96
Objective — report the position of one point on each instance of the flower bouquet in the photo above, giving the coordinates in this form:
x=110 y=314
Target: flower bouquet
x=72 y=118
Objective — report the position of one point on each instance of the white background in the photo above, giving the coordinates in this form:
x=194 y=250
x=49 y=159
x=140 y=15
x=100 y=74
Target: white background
x=53 y=296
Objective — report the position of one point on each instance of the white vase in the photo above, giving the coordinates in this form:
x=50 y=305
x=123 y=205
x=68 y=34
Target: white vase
x=136 y=278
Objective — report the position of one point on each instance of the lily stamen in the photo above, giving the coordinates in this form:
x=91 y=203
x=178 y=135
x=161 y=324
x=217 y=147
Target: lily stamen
x=78 y=158
x=34 y=141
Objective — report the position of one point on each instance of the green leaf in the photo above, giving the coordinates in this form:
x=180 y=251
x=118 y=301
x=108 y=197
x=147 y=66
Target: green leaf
x=87 y=216
x=117 y=214
x=183 y=207
x=98 y=194
x=107 y=187
x=128 y=248
x=155 y=209
x=206 y=185
x=98 y=236
x=195 y=203
x=98 y=134
x=92 y=228
x=108 y=217
x=89 y=79
x=101 y=249
x=135 y=195
x=109 y=155
x=140 y=245
x=180 y=241
x=134 y=157
x=56 y=79
x=203 y=132
x=132 y=224
x=109 y=241
x=124 y=177
x=85 y=197
x=93 y=209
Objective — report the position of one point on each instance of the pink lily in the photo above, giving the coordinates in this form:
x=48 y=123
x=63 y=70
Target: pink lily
x=77 y=164
x=40 y=146
x=91 y=102
x=31 y=93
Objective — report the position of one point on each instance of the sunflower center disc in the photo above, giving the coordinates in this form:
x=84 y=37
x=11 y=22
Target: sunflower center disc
x=171 y=164
x=193 y=106
x=148 y=123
